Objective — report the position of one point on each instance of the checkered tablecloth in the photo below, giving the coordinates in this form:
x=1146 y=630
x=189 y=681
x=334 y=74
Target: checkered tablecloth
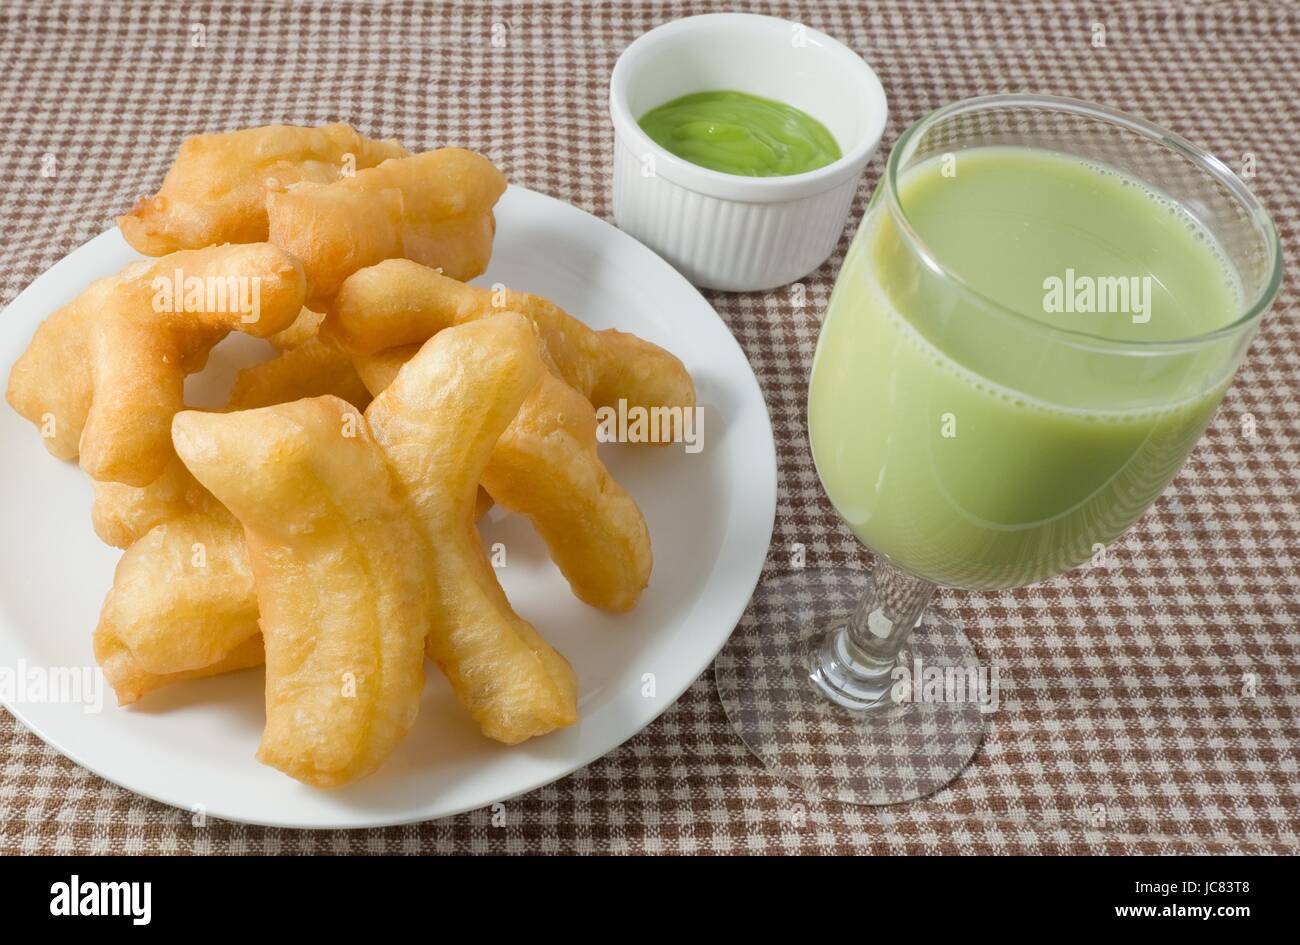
x=1122 y=690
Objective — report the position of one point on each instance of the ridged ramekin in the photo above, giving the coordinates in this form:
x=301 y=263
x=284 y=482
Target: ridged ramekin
x=725 y=231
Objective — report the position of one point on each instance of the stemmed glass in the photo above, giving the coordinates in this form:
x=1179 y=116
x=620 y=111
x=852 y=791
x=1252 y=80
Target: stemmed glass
x=845 y=682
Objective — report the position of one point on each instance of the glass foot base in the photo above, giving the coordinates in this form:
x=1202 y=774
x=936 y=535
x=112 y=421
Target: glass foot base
x=830 y=670
x=896 y=743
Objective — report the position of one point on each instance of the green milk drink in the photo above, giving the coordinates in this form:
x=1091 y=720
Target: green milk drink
x=975 y=422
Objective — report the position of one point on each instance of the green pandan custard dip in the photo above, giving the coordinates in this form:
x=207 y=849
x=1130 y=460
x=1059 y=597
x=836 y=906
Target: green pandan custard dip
x=742 y=134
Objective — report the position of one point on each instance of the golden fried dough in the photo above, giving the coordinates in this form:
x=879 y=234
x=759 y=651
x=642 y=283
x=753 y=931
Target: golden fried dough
x=138 y=388
x=130 y=682
x=434 y=208
x=216 y=190
x=255 y=288
x=545 y=467
x=50 y=383
x=123 y=514
x=182 y=596
x=162 y=617
x=399 y=302
x=103 y=375
x=312 y=369
x=292 y=529
x=338 y=562
x=128 y=516
x=378 y=370
x=437 y=423
x=304 y=328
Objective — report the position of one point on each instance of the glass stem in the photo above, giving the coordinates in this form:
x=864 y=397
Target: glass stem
x=852 y=664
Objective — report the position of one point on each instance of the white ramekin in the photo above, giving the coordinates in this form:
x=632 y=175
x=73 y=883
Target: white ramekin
x=723 y=231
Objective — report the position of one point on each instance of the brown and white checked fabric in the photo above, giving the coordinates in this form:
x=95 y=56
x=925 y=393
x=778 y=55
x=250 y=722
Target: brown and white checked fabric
x=1123 y=690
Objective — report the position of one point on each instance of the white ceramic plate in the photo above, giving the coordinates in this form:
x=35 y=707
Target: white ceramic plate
x=710 y=515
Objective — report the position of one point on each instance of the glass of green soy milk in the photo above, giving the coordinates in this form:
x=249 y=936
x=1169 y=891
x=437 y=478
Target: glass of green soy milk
x=1039 y=314
x=1036 y=320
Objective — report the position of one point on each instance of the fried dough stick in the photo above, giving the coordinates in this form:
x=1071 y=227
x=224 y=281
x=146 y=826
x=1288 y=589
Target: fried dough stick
x=186 y=554
x=215 y=192
x=304 y=328
x=182 y=594
x=434 y=208
x=312 y=369
x=122 y=514
x=131 y=683
x=182 y=605
x=104 y=375
x=545 y=467
x=437 y=424
x=399 y=302
x=337 y=558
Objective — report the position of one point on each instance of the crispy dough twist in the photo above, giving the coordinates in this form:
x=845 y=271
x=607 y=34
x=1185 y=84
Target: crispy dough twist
x=337 y=561
x=437 y=423
x=435 y=208
x=545 y=466
x=215 y=192
x=104 y=375
x=399 y=302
